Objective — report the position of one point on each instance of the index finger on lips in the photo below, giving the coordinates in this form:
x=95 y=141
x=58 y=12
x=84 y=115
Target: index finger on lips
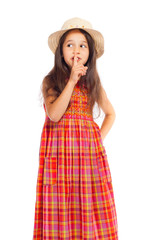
x=75 y=60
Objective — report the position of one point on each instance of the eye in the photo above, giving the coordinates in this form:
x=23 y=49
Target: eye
x=69 y=45
x=83 y=46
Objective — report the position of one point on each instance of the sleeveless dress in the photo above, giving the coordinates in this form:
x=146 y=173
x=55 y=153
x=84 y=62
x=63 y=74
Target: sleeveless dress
x=74 y=193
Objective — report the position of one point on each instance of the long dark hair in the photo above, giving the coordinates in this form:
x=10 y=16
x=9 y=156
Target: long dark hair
x=55 y=79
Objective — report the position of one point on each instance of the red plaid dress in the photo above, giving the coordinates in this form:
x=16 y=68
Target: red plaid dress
x=74 y=194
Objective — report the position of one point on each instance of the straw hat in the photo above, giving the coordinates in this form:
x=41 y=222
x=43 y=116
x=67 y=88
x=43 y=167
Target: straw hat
x=73 y=23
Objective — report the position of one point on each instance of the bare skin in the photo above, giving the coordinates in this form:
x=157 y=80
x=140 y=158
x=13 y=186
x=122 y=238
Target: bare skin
x=75 y=54
x=56 y=110
x=109 y=114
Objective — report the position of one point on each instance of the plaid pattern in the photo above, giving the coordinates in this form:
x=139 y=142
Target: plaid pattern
x=74 y=194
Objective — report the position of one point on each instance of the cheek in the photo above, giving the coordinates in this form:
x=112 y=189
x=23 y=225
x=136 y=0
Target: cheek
x=66 y=53
x=86 y=54
x=66 y=57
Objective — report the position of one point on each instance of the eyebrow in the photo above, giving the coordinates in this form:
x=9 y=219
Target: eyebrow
x=73 y=41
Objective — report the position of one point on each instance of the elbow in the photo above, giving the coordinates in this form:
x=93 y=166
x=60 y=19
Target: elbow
x=53 y=118
x=52 y=115
x=111 y=116
x=114 y=115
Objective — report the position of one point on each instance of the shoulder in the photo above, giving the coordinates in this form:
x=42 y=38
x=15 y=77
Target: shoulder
x=51 y=96
x=51 y=91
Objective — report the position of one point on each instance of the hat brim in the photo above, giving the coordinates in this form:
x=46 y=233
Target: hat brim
x=54 y=38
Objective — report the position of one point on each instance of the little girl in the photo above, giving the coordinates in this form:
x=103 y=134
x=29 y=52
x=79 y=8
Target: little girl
x=74 y=194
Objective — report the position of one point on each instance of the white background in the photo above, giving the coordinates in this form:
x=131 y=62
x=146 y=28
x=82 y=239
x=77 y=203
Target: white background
x=130 y=73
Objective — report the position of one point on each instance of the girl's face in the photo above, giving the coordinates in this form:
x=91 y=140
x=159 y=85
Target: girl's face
x=75 y=43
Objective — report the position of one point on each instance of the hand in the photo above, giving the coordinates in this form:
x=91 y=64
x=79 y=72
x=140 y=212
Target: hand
x=78 y=70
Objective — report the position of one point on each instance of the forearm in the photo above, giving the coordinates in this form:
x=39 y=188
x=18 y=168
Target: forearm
x=59 y=106
x=106 y=125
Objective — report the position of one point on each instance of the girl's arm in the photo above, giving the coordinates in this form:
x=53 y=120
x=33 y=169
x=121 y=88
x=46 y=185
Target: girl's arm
x=110 y=115
x=56 y=109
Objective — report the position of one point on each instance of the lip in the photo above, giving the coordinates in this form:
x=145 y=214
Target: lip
x=77 y=59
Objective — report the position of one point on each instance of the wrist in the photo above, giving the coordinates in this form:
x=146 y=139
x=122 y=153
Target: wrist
x=71 y=82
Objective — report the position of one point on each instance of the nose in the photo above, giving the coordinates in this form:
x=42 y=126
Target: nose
x=76 y=50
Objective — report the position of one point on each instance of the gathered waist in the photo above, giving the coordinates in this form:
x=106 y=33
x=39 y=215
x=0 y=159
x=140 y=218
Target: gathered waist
x=78 y=115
